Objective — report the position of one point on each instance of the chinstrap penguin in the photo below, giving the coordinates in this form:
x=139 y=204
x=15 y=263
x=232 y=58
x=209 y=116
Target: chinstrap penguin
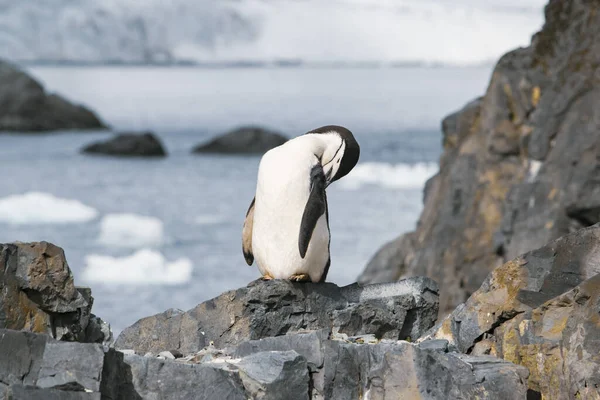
x=287 y=224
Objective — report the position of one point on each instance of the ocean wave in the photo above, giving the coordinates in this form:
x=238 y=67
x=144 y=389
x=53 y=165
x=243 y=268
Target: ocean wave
x=393 y=176
x=35 y=208
x=131 y=230
x=144 y=267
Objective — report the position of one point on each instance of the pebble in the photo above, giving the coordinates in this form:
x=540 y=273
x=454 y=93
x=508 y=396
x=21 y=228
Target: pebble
x=166 y=354
x=128 y=352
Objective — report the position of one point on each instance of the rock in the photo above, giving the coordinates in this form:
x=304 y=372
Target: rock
x=153 y=378
x=19 y=392
x=275 y=375
x=263 y=309
x=39 y=295
x=539 y=310
x=26 y=107
x=129 y=144
x=244 y=140
x=71 y=366
x=35 y=366
x=520 y=165
x=396 y=370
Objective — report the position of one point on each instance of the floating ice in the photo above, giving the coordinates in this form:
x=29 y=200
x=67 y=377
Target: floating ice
x=143 y=267
x=131 y=230
x=34 y=208
x=399 y=176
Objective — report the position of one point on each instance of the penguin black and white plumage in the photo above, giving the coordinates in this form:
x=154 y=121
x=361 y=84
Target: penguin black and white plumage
x=287 y=224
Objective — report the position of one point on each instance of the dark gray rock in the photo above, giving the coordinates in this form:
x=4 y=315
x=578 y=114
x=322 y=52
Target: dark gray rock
x=26 y=107
x=244 y=140
x=72 y=366
x=18 y=392
x=129 y=145
x=275 y=375
x=22 y=354
x=520 y=165
x=160 y=379
x=263 y=309
x=392 y=369
x=39 y=295
x=35 y=366
x=308 y=345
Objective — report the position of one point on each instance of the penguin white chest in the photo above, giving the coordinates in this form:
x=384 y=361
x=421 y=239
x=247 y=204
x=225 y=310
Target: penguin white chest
x=282 y=194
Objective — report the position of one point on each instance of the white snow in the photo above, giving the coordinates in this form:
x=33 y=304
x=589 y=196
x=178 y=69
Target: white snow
x=34 y=208
x=143 y=267
x=131 y=230
x=458 y=32
x=393 y=176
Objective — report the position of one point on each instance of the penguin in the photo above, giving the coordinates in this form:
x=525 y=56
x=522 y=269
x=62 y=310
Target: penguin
x=286 y=229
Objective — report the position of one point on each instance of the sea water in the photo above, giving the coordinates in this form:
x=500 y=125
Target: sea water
x=151 y=234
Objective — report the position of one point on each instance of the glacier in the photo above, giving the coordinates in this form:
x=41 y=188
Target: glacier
x=457 y=32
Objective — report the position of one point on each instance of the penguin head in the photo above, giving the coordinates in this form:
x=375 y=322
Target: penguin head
x=341 y=154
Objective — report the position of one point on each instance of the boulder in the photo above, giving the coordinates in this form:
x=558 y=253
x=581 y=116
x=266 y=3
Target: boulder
x=25 y=106
x=244 y=140
x=39 y=295
x=539 y=310
x=129 y=145
x=398 y=310
x=520 y=165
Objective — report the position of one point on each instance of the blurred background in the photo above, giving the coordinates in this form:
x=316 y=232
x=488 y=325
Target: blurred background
x=149 y=234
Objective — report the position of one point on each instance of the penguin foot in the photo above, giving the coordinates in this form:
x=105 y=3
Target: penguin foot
x=300 y=278
x=266 y=277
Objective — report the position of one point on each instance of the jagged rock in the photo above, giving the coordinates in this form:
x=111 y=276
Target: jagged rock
x=129 y=144
x=39 y=295
x=396 y=311
x=35 y=366
x=72 y=366
x=390 y=369
x=244 y=140
x=520 y=165
x=25 y=106
x=19 y=392
x=541 y=311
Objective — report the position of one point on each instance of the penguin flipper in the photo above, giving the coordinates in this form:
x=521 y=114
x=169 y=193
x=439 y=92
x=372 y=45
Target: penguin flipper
x=247 y=234
x=315 y=207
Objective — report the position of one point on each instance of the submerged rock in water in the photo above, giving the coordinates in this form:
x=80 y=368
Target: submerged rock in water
x=539 y=310
x=38 y=295
x=244 y=140
x=399 y=310
x=129 y=144
x=26 y=107
x=520 y=165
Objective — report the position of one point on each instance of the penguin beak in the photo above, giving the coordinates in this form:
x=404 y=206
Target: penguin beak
x=328 y=177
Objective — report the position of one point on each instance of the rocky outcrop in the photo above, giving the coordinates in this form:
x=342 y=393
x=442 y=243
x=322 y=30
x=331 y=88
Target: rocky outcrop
x=38 y=295
x=25 y=106
x=295 y=366
x=539 y=310
x=244 y=140
x=401 y=310
x=129 y=145
x=520 y=165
